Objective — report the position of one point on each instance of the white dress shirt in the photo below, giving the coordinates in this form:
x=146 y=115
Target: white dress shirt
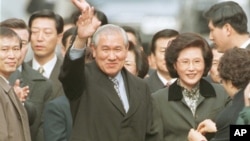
x=165 y=81
x=48 y=67
x=244 y=45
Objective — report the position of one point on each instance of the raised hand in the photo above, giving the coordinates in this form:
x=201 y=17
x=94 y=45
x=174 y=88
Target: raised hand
x=21 y=92
x=81 y=4
x=86 y=25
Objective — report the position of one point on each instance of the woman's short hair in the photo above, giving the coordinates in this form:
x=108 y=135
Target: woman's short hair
x=235 y=66
x=183 y=41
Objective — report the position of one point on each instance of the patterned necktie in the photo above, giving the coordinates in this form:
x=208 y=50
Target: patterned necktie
x=41 y=70
x=116 y=86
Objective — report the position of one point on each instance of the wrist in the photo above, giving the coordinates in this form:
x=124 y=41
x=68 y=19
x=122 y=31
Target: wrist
x=79 y=43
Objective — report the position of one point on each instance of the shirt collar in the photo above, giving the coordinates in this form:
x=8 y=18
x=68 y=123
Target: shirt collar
x=20 y=68
x=48 y=67
x=205 y=89
x=5 y=79
x=163 y=80
x=189 y=93
x=244 y=45
x=118 y=77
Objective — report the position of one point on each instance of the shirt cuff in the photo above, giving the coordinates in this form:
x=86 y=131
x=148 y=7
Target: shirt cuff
x=76 y=53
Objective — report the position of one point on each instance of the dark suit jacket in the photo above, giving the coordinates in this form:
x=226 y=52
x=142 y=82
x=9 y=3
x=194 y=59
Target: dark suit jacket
x=229 y=117
x=154 y=82
x=100 y=115
x=173 y=118
x=40 y=92
x=14 y=124
x=57 y=120
x=56 y=84
x=208 y=78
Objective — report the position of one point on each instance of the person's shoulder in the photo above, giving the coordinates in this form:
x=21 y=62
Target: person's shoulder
x=161 y=92
x=59 y=99
x=90 y=67
x=31 y=73
x=217 y=87
x=220 y=92
x=151 y=77
x=134 y=78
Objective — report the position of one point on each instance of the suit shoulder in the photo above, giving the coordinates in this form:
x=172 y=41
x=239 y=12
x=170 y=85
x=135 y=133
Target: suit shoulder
x=31 y=73
x=151 y=77
x=136 y=78
x=218 y=88
x=59 y=99
x=161 y=92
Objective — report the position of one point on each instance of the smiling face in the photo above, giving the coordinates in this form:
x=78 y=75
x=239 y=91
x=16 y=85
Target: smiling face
x=44 y=37
x=110 y=53
x=190 y=66
x=10 y=54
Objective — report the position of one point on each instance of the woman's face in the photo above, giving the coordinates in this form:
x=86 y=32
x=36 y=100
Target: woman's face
x=130 y=63
x=190 y=66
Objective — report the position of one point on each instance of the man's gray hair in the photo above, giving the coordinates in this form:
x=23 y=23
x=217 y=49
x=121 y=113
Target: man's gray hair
x=109 y=29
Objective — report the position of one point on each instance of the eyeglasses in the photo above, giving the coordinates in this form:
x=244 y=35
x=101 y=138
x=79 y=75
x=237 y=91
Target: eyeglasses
x=186 y=63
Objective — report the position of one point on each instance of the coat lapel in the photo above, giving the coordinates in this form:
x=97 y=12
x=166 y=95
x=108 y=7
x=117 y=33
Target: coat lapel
x=108 y=87
x=11 y=94
x=132 y=91
x=111 y=94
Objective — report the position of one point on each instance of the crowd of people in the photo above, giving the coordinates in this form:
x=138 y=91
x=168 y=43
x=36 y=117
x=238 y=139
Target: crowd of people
x=102 y=86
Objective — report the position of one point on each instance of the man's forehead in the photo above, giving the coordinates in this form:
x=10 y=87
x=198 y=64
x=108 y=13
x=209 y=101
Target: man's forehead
x=5 y=41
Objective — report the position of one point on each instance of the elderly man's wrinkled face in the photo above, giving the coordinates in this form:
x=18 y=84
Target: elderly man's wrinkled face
x=110 y=53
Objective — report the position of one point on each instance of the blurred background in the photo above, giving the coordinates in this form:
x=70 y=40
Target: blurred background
x=147 y=16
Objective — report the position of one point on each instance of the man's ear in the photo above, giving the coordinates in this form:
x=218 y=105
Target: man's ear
x=228 y=28
x=93 y=49
x=59 y=38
